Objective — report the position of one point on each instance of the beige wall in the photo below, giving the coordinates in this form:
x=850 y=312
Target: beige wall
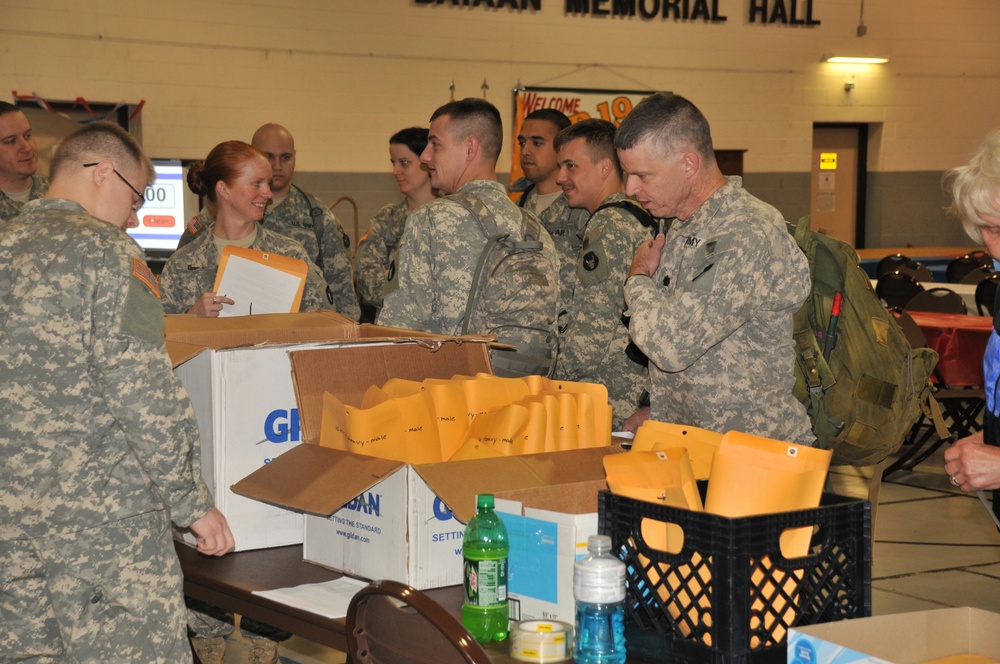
x=345 y=74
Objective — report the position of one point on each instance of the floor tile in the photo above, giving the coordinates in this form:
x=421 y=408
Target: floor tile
x=963 y=587
x=885 y=603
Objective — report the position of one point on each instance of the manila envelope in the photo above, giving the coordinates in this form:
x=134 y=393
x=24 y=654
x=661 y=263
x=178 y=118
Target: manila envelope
x=416 y=417
x=701 y=444
x=754 y=475
x=664 y=476
x=598 y=394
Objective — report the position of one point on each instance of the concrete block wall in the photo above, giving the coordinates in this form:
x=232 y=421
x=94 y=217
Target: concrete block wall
x=343 y=75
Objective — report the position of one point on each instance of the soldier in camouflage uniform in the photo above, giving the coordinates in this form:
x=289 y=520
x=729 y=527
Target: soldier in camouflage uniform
x=592 y=347
x=543 y=196
x=188 y=277
x=377 y=247
x=430 y=286
x=294 y=214
x=18 y=163
x=99 y=440
x=712 y=301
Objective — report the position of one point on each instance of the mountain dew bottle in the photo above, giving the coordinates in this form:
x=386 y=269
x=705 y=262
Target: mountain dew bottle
x=484 y=550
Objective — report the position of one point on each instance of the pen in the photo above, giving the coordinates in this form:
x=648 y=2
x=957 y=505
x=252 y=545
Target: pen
x=831 y=330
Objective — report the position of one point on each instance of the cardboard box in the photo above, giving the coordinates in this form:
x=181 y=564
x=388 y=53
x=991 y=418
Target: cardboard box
x=378 y=518
x=238 y=375
x=902 y=638
x=548 y=528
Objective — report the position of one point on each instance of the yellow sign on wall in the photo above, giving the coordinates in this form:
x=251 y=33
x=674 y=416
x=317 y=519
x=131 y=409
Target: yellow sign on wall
x=827 y=161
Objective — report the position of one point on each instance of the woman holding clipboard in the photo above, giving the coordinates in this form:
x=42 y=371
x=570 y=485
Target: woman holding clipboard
x=234 y=178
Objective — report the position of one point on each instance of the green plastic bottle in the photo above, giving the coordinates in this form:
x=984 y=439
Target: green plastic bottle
x=484 y=550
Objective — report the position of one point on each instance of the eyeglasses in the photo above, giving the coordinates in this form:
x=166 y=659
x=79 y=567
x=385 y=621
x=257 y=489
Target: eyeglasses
x=135 y=205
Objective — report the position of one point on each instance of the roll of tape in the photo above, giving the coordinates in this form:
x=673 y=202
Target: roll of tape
x=541 y=641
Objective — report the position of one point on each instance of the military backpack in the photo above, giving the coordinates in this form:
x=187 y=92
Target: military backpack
x=514 y=294
x=862 y=384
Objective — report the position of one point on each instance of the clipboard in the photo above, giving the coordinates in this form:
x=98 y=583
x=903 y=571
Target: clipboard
x=259 y=281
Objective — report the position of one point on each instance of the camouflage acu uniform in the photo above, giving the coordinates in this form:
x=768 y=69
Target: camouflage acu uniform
x=429 y=285
x=190 y=271
x=592 y=348
x=716 y=319
x=9 y=208
x=566 y=226
x=292 y=218
x=377 y=250
x=100 y=448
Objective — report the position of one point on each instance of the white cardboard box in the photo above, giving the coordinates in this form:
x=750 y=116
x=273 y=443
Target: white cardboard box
x=378 y=518
x=902 y=638
x=238 y=375
x=548 y=529
x=245 y=405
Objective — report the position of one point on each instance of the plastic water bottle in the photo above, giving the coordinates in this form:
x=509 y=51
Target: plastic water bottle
x=484 y=550
x=599 y=591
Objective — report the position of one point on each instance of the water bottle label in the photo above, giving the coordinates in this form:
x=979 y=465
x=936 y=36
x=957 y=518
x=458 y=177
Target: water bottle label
x=485 y=582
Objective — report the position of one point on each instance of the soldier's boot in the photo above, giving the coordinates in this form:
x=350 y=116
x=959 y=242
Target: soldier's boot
x=263 y=651
x=210 y=650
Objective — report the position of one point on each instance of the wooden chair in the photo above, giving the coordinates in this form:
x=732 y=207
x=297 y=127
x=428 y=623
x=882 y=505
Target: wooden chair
x=986 y=293
x=391 y=623
x=938 y=300
x=895 y=289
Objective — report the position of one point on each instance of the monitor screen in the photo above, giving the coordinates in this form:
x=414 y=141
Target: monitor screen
x=161 y=218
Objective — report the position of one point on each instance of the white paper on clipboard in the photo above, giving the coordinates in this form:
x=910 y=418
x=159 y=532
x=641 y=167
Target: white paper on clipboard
x=259 y=285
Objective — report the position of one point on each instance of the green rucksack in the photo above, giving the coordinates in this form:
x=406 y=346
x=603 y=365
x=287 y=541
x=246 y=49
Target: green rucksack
x=871 y=387
x=514 y=295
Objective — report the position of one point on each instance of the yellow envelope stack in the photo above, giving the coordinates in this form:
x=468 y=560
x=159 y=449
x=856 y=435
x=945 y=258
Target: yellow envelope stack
x=747 y=475
x=468 y=417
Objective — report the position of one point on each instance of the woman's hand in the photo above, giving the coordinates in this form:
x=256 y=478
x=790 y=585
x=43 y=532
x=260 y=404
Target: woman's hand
x=209 y=305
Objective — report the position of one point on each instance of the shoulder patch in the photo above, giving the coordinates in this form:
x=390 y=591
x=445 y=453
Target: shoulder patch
x=142 y=272
x=194 y=225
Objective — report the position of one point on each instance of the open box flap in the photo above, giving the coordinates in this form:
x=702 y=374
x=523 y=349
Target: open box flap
x=918 y=636
x=238 y=331
x=458 y=482
x=180 y=352
x=348 y=376
x=314 y=479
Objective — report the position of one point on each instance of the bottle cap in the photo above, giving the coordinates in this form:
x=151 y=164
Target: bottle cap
x=484 y=501
x=598 y=544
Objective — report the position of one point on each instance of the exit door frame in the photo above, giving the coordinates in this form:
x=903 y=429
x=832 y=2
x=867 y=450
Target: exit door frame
x=860 y=186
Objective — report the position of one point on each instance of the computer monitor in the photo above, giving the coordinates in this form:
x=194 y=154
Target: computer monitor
x=161 y=218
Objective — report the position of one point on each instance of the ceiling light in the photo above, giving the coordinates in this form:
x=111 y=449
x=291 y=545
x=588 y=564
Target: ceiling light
x=852 y=60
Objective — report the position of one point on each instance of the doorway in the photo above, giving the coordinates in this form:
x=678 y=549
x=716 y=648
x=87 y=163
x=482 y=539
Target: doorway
x=839 y=173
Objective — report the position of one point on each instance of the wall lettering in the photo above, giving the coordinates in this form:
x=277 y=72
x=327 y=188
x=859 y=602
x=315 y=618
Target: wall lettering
x=495 y=4
x=761 y=12
x=788 y=12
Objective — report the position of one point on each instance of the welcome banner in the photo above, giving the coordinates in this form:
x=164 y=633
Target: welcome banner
x=577 y=103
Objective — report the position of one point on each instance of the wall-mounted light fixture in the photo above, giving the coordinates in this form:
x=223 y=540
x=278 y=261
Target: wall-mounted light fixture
x=853 y=60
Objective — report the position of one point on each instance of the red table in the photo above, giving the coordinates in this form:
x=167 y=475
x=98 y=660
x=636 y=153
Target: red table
x=960 y=341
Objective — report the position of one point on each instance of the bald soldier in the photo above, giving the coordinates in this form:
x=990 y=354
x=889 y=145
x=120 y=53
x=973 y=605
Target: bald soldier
x=301 y=216
x=100 y=444
x=18 y=162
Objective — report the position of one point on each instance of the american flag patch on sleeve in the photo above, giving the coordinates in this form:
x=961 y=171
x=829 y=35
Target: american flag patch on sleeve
x=142 y=272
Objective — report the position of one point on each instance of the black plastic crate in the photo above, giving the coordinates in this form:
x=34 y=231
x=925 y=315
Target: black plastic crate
x=728 y=578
